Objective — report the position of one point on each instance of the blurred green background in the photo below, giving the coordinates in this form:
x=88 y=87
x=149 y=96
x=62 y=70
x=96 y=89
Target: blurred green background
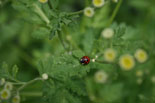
x=19 y=45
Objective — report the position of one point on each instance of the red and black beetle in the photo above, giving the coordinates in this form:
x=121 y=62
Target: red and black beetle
x=85 y=60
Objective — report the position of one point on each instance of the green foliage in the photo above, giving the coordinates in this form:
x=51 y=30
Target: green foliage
x=9 y=73
x=65 y=72
x=51 y=19
x=47 y=42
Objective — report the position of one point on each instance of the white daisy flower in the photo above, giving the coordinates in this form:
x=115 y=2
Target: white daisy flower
x=89 y=12
x=126 y=62
x=141 y=55
x=100 y=77
x=98 y=3
x=107 y=33
x=16 y=99
x=8 y=86
x=5 y=94
x=110 y=55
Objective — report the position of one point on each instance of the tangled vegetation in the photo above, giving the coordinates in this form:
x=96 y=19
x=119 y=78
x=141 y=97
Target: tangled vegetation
x=77 y=51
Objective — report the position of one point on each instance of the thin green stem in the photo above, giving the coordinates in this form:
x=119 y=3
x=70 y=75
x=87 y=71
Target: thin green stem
x=104 y=62
x=41 y=13
x=76 y=13
x=31 y=94
x=27 y=83
x=62 y=41
x=15 y=80
x=114 y=12
x=21 y=83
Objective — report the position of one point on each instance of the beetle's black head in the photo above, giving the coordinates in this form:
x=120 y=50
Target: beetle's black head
x=82 y=61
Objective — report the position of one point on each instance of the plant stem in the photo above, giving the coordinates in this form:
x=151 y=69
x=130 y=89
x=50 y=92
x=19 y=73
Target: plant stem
x=15 y=80
x=76 y=13
x=27 y=83
x=62 y=41
x=20 y=83
x=104 y=62
x=32 y=94
x=114 y=13
x=41 y=14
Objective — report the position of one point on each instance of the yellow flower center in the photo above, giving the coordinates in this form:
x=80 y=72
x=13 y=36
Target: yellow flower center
x=88 y=12
x=127 y=62
x=98 y=2
x=15 y=100
x=100 y=76
x=142 y=55
x=110 y=55
x=4 y=94
x=43 y=1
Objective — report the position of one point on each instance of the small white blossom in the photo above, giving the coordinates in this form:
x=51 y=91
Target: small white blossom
x=45 y=76
x=98 y=3
x=5 y=94
x=110 y=55
x=126 y=62
x=16 y=99
x=88 y=11
x=107 y=33
x=93 y=60
x=141 y=55
x=100 y=77
x=96 y=56
x=8 y=86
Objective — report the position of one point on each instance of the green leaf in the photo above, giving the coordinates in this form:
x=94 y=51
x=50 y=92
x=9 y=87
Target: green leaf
x=53 y=33
x=66 y=21
x=54 y=3
x=41 y=33
x=78 y=54
x=66 y=83
x=120 y=29
x=15 y=71
x=4 y=71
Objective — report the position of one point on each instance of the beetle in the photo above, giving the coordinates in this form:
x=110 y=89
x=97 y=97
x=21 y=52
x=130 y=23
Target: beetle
x=85 y=60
